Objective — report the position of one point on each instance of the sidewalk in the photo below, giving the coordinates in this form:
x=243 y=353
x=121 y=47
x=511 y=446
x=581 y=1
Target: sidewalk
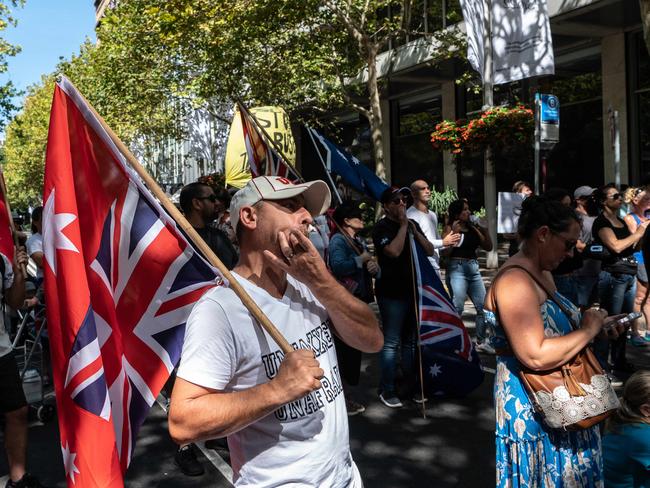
x=451 y=445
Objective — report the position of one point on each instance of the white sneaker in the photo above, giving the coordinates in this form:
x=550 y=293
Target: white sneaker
x=420 y=399
x=391 y=401
x=484 y=347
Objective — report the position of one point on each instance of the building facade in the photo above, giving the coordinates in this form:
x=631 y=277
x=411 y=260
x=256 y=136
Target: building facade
x=601 y=67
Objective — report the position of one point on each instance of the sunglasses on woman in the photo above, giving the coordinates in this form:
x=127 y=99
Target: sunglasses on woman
x=398 y=200
x=569 y=245
x=615 y=196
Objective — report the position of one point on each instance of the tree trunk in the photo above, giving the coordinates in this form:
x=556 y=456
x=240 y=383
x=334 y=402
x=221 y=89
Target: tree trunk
x=645 y=20
x=375 y=119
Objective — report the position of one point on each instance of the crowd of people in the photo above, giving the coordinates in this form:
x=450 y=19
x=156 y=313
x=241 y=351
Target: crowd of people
x=575 y=267
x=556 y=294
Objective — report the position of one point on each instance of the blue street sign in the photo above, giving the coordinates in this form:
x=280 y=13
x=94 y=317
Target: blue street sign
x=548 y=118
x=550 y=109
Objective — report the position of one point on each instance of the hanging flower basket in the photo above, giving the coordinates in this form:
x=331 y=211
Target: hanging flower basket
x=496 y=127
x=449 y=136
x=501 y=126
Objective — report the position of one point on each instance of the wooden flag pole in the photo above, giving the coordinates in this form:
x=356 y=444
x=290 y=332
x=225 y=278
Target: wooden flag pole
x=320 y=156
x=180 y=219
x=423 y=399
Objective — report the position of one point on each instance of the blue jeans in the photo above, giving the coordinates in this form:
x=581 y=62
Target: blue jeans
x=616 y=293
x=464 y=278
x=567 y=286
x=587 y=289
x=399 y=325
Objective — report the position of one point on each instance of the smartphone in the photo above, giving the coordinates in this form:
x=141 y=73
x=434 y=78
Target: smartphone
x=625 y=320
x=596 y=248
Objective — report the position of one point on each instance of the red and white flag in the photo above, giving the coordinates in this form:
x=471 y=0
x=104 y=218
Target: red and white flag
x=120 y=281
x=6 y=235
x=263 y=159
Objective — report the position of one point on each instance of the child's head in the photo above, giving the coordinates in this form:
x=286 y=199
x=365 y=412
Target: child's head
x=635 y=403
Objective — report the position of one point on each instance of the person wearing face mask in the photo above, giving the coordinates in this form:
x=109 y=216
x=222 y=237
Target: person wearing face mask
x=395 y=293
x=617 y=280
x=354 y=267
x=626 y=443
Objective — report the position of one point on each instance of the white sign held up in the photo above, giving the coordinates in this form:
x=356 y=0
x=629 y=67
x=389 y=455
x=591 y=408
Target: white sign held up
x=508 y=212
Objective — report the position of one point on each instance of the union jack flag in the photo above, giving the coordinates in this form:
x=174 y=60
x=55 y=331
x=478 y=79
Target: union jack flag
x=262 y=157
x=120 y=282
x=450 y=363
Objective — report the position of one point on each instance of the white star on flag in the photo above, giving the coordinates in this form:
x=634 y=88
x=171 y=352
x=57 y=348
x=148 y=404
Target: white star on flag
x=53 y=237
x=68 y=462
x=435 y=370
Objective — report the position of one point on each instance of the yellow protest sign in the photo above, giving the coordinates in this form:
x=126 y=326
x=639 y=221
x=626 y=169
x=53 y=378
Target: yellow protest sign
x=276 y=124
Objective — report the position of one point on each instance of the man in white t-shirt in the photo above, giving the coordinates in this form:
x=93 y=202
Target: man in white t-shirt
x=34 y=243
x=284 y=415
x=428 y=221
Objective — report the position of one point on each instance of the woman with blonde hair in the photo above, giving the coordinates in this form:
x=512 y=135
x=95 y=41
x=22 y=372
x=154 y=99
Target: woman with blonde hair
x=639 y=201
x=626 y=444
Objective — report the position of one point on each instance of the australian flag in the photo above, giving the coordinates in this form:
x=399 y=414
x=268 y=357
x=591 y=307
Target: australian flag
x=450 y=365
x=120 y=281
x=353 y=172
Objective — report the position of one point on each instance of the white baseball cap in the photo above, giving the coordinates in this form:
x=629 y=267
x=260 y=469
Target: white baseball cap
x=316 y=194
x=583 y=191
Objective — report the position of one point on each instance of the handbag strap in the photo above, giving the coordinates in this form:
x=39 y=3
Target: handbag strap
x=552 y=296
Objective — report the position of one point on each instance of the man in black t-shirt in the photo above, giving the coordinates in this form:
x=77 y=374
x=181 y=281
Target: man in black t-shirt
x=200 y=206
x=394 y=289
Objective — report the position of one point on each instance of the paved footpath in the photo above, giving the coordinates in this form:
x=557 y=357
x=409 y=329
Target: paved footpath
x=451 y=445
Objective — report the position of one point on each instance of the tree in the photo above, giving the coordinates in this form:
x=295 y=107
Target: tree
x=24 y=147
x=7 y=90
x=310 y=56
x=138 y=119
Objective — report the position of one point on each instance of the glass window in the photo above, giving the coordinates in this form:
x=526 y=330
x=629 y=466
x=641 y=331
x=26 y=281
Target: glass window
x=578 y=158
x=640 y=108
x=643 y=100
x=412 y=155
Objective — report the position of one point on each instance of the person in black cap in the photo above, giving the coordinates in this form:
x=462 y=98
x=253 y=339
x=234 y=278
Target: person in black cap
x=353 y=266
x=394 y=289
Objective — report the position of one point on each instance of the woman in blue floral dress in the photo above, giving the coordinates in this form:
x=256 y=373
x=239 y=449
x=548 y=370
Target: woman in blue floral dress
x=531 y=329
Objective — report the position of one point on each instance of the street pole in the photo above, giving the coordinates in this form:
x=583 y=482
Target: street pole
x=489 y=186
x=329 y=176
x=615 y=134
x=538 y=135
